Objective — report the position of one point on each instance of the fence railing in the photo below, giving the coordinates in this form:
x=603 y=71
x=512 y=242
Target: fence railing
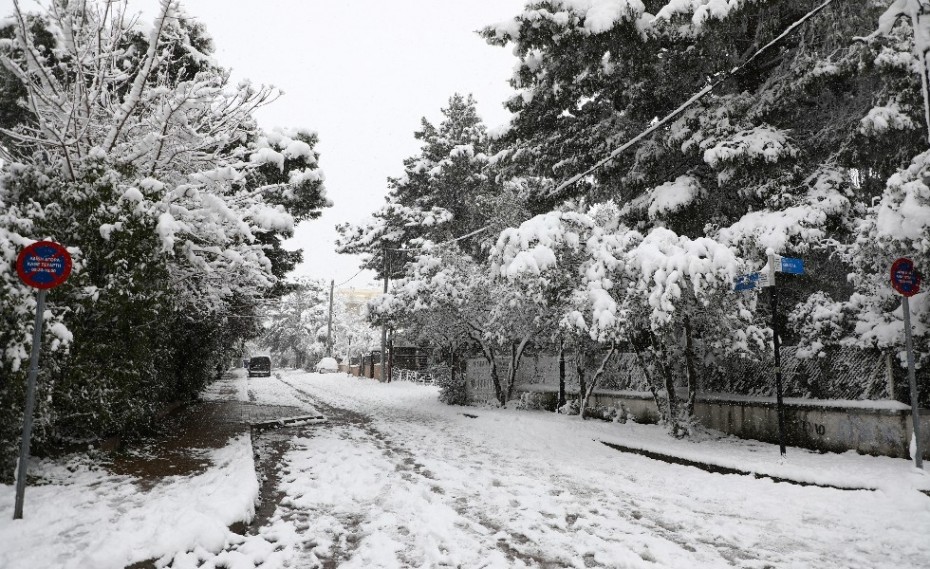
x=424 y=376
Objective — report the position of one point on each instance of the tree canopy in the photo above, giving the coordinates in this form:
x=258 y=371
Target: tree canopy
x=132 y=147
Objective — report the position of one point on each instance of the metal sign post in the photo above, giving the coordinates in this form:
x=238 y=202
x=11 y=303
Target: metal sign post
x=21 y=471
x=906 y=281
x=42 y=265
x=776 y=341
x=766 y=279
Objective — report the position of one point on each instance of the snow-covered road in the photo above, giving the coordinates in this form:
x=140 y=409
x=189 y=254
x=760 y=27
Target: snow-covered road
x=397 y=479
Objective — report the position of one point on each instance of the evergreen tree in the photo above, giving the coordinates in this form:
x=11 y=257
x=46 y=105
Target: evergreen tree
x=789 y=152
x=444 y=193
x=783 y=154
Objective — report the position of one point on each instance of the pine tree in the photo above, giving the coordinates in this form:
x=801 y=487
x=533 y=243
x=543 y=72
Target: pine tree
x=788 y=153
x=783 y=154
x=444 y=193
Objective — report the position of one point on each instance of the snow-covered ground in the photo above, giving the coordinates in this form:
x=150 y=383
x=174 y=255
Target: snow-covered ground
x=397 y=479
x=82 y=515
x=409 y=482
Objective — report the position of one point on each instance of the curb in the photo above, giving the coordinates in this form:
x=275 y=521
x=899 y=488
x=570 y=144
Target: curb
x=717 y=469
x=289 y=422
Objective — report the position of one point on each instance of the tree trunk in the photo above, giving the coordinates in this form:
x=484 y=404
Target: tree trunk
x=489 y=355
x=495 y=379
x=586 y=393
x=669 y=385
x=452 y=364
x=561 y=402
x=692 y=370
x=649 y=381
x=580 y=359
x=516 y=356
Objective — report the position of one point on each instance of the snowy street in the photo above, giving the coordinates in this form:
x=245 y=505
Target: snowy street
x=394 y=478
x=692 y=220
x=397 y=479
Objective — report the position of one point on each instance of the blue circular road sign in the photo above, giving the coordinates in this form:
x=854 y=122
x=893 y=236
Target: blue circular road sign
x=43 y=265
x=904 y=277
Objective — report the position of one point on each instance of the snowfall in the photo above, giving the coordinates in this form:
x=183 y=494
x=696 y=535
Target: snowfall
x=394 y=478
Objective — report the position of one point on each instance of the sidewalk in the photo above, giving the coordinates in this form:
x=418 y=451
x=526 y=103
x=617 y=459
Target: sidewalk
x=716 y=452
x=172 y=493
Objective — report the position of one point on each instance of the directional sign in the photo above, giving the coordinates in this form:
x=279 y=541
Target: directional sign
x=43 y=265
x=789 y=265
x=746 y=282
x=765 y=280
x=752 y=281
x=904 y=277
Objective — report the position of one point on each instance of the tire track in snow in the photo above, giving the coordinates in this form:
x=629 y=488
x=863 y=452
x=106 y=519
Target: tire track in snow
x=498 y=510
x=412 y=470
x=596 y=512
x=582 y=507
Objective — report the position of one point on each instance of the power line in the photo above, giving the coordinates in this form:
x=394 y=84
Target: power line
x=352 y=277
x=447 y=242
x=696 y=97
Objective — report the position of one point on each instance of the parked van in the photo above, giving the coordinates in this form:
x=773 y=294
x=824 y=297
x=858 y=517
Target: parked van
x=260 y=366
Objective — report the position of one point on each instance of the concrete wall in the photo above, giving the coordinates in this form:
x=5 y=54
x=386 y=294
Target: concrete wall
x=869 y=427
x=361 y=371
x=880 y=429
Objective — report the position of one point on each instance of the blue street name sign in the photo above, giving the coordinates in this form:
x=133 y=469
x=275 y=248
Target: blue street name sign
x=746 y=282
x=792 y=266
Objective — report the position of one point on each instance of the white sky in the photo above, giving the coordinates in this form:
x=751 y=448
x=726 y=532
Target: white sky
x=361 y=73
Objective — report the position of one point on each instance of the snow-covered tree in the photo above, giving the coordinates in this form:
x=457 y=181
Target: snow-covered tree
x=294 y=323
x=449 y=289
x=787 y=148
x=134 y=149
x=298 y=325
x=896 y=223
x=659 y=293
x=544 y=257
x=781 y=155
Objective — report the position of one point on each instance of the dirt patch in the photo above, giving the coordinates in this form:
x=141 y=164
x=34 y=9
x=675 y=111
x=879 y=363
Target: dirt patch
x=269 y=447
x=186 y=436
x=180 y=449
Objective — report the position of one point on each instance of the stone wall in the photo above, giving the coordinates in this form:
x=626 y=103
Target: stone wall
x=880 y=427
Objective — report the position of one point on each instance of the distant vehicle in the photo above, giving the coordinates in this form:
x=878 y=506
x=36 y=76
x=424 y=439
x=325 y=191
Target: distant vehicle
x=260 y=366
x=327 y=365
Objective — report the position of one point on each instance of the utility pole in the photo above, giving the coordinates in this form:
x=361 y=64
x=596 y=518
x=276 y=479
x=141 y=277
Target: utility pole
x=384 y=270
x=329 y=322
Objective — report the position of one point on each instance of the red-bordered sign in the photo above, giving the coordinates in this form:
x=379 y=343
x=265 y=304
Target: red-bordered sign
x=904 y=277
x=43 y=264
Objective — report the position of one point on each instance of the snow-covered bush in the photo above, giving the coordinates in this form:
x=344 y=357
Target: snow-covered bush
x=451 y=386
x=571 y=407
x=536 y=401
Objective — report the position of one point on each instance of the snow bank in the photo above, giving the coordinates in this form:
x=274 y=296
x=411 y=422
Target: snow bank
x=85 y=517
